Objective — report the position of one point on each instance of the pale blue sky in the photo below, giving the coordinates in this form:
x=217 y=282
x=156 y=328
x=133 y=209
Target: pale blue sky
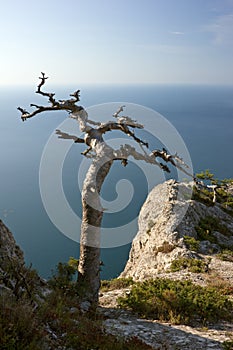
x=117 y=41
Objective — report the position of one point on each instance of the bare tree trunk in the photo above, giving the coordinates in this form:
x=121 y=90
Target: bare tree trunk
x=89 y=261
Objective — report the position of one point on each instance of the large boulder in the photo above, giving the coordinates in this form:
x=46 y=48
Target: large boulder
x=168 y=215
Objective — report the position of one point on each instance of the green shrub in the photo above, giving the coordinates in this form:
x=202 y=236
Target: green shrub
x=223 y=191
x=205 y=175
x=192 y=243
x=63 y=279
x=192 y=265
x=204 y=196
x=177 y=301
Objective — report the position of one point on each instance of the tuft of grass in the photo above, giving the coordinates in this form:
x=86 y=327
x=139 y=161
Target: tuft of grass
x=177 y=302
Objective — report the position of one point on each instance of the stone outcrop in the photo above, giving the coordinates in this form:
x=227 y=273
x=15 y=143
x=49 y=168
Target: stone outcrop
x=168 y=215
x=15 y=277
x=8 y=247
x=11 y=260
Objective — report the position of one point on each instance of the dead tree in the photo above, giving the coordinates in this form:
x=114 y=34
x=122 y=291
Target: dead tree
x=103 y=157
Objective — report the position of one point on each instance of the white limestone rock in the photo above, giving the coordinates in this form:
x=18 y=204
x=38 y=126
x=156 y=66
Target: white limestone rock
x=168 y=215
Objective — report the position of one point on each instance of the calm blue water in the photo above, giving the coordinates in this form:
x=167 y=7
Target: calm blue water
x=203 y=115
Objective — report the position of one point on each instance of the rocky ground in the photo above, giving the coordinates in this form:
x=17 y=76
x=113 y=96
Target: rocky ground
x=162 y=335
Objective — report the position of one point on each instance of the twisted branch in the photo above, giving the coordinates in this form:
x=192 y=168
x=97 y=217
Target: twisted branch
x=68 y=105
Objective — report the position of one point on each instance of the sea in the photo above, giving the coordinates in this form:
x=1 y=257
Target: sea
x=201 y=115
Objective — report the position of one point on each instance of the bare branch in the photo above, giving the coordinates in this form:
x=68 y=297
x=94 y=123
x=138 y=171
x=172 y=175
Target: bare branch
x=122 y=127
x=24 y=113
x=180 y=160
x=68 y=105
x=41 y=109
x=175 y=160
x=92 y=122
x=213 y=188
x=126 y=151
x=43 y=79
x=126 y=120
x=116 y=114
x=94 y=136
x=64 y=135
x=76 y=95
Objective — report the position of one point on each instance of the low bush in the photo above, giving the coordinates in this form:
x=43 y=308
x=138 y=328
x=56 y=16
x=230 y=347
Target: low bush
x=192 y=265
x=177 y=301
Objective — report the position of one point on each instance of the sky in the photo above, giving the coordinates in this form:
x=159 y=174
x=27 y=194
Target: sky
x=117 y=41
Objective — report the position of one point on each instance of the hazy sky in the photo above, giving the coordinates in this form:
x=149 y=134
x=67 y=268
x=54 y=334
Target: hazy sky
x=117 y=41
